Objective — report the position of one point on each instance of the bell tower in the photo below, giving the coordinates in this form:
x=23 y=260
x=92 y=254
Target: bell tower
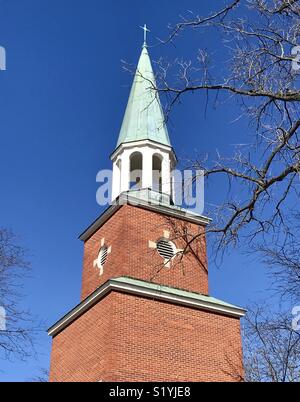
x=144 y=158
x=145 y=312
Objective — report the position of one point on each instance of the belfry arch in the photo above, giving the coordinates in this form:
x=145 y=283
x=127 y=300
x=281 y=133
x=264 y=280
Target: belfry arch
x=157 y=161
x=136 y=170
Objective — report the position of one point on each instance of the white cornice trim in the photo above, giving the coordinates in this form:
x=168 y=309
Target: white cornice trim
x=126 y=198
x=143 y=291
x=174 y=212
x=142 y=143
x=99 y=222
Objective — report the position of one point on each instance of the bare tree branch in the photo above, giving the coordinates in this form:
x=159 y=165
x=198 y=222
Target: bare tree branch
x=18 y=327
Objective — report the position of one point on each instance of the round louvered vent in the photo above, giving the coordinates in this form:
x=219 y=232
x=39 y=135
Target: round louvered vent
x=166 y=249
x=102 y=256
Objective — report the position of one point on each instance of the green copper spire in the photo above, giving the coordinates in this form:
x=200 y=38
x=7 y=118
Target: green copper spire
x=144 y=118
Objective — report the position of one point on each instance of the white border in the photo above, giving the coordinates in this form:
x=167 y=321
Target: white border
x=139 y=203
x=142 y=290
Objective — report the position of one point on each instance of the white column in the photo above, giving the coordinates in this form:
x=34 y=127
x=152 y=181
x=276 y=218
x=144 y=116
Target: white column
x=166 y=174
x=147 y=168
x=116 y=181
x=125 y=169
x=173 y=195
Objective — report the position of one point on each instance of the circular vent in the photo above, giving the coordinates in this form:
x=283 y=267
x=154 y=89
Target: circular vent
x=102 y=256
x=166 y=249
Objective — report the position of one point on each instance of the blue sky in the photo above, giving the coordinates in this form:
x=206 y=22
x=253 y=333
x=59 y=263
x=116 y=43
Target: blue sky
x=62 y=101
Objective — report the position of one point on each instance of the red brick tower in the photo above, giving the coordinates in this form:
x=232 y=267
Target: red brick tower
x=145 y=312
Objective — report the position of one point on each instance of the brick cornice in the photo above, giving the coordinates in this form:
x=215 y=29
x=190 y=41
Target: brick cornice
x=149 y=290
x=127 y=199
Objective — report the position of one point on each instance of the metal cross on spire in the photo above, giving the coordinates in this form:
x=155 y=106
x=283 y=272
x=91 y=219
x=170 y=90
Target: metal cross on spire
x=146 y=30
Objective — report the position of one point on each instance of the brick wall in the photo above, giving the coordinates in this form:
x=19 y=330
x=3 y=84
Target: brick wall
x=82 y=351
x=128 y=232
x=129 y=338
